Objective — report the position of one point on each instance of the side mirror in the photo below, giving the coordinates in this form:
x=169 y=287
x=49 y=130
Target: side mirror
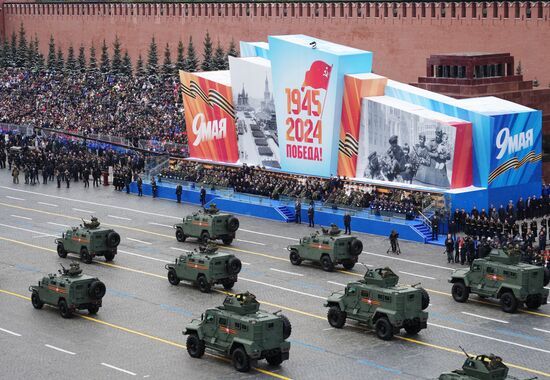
x=63 y=235
x=202 y=316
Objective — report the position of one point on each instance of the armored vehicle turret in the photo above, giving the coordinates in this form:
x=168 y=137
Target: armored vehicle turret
x=381 y=303
x=89 y=240
x=205 y=267
x=240 y=330
x=480 y=367
x=328 y=248
x=207 y=224
x=501 y=275
x=69 y=290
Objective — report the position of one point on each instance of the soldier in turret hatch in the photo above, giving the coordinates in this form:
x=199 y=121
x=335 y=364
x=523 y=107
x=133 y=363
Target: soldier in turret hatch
x=334 y=230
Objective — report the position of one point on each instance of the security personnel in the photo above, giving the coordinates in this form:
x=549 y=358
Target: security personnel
x=435 y=227
x=347 y=223
x=533 y=226
x=449 y=245
x=153 y=187
x=310 y=216
x=140 y=187
x=523 y=229
x=203 y=196
x=179 y=190
x=298 y=212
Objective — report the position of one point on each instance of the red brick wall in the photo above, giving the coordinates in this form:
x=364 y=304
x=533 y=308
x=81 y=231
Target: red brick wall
x=401 y=35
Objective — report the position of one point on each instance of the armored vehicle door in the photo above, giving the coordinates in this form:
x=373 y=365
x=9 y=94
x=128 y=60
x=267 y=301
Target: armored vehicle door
x=209 y=327
x=368 y=303
x=476 y=276
x=353 y=299
x=68 y=242
x=225 y=331
x=491 y=278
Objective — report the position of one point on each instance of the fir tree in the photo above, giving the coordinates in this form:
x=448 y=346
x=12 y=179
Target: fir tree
x=167 y=68
x=81 y=59
x=93 y=60
x=105 y=64
x=219 y=60
x=31 y=57
x=39 y=62
x=232 y=51
x=60 y=62
x=180 y=61
x=4 y=53
x=152 y=58
x=52 y=60
x=117 y=57
x=140 y=69
x=13 y=48
x=191 y=63
x=71 y=60
x=207 y=62
x=127 y=64
x=22 y=49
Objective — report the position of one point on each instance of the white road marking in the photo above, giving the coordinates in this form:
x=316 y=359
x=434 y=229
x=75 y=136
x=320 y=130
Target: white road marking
x=284 y=271
x=490 y=338
x=160 y=224
x=266 y=234
x=139 y=241
x=118 y=217
x=541 y=330
x=118 y=369
x=417 y=275
x=281 y=288
x=48 y=204
x=408 y=261
x=17 y=199
x=482 y=317
x=21 y=217
x=336 y=283
x=249 y=242
x=180 y=249
x=41 y=236
x=27 y=230
x=145 y=257
x=59 y=224
x=10 y=332
x=59 y=349
x=86 y=211
x=243 y=263
x=330 y=328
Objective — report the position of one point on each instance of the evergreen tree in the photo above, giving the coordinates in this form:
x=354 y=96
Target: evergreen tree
x=140 y=69
x=22 y=49
x=219 y=60
x=3 y=54
x=180 y=61
x=117 y=57
x=207 y=62
x=127 y=64
x=152 y=58
x=519 y=69
x=93 y=61
x=31 y=58
x=191 y=63
x=71 y=60
x=105 y=64
x=39 y=62
x=13 y=48
x=52 y=61
x=81 y=59
x=232 y=51
x=60 y=62
x=167 y=68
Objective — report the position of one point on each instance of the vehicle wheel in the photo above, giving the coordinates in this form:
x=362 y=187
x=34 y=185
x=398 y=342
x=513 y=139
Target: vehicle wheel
x=275 y=360
x=36 y=302
x=546 y=277
x=180 y=236
x=204 y=286
x=97 y=290
x=348 y=264
x=195 y=346
x=508 y=302
x=460 y=292
x=233 y=224
x=205 y=236
x=287 y=326
x=109 y=256
x=240 y=360
x=93 y=309
x=227 y=240
x=234 y=265
x=295 y=257
x=533 y=301
x=356 y=247
x=228 y=285
x=384 y=329
x=113 y=239
x=326 y=263
x=85 y=256
x=64 y=309
x=425 y=298
x=413 y=329
x=173 y=277
x=61 y=250
x=336 y=317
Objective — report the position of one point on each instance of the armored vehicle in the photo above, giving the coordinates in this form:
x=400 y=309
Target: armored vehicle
x=328 y=248
x=240 y=330
x=207 y=224
x=69 y=291
x=88 y=240
x=380 y=303
x=481 y=367
x=501 y=275
x=205 y=267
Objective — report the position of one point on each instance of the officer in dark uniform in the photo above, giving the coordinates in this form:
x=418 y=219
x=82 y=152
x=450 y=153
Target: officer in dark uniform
x=468 y=225
x=203 y=196
x=154 y=187
x=179 y=190
x=298 y=212
x=475 y=212
x=533 y=226
x=435 y=227
x=500 y=229
x=456 y=218
x=523 y=229
x=310 y=216
x=543 y=223
x=140 y=186
x=515 y=229
x=347 y=223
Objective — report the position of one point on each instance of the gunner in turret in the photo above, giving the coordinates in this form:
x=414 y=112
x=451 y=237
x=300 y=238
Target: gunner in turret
x=334 y=230
x=94 y=223
x=213 y=209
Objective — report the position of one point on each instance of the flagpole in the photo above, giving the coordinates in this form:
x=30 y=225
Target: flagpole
x=325 y=97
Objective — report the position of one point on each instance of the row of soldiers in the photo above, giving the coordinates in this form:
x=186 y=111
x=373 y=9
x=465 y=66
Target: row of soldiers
x=493 y=228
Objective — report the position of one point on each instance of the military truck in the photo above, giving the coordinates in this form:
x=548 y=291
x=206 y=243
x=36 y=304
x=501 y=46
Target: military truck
x=205 y=267
x=328 y=248
x=89 y=241
x=380 y=303
x=240 y=330
x=500 y=275
x=207 y=224
x=480 y=367
x=69 y=291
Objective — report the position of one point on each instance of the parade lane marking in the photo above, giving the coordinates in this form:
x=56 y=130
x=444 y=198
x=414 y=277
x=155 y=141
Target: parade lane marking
x=27 y=230
x=143 y=256
x=281 y=288
x=86 y=211
x=417 y=275
x=48 y=204
x=118 y=369
x=266 y=234
x=336 y=283
x=59 y=224
x=59 y=349
x=249 y=242
x=20 y=217
x=284 y=271
x=482 y=317
x=541 y=330
x=151 y=337
x=139 y=241
x=180 y=249
x=9 y=332
x=161 y=225
x=118 y=217
x=408 y=261
x=15 y=198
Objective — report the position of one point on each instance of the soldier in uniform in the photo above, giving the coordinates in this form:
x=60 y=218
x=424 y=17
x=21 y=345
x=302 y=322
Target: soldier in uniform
x=374 y=167
x=179 y=190
x=515 y=229
x=153 y=187
x=298 y=212
x=449 y=245
x=140 y=186
x=347 y=223
x=533 y=226
x=523 y=229
x=310 y=216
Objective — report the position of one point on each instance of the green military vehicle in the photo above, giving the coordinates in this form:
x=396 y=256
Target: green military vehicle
x=240 y=330
x=501 y=275
x=380 y=303
x=481 y=367
x=69 y=291
x=207 y=224
x=328 y=248
x=205 y=267
x=88 y=240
